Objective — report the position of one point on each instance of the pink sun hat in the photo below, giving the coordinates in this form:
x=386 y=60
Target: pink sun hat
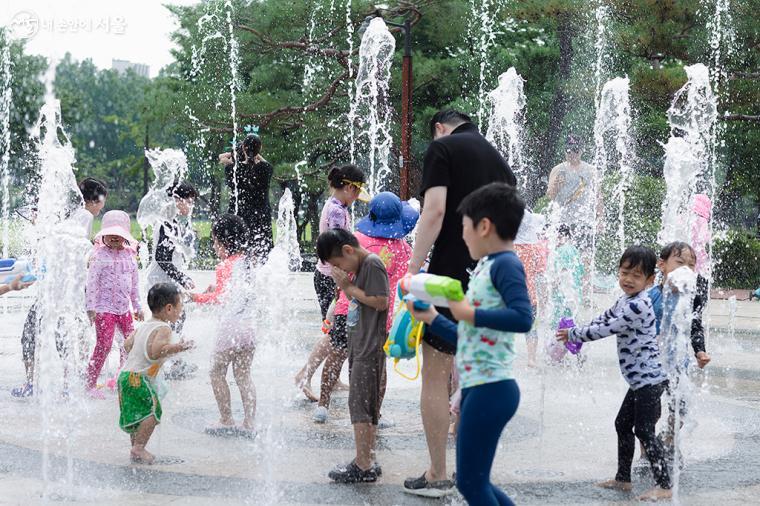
x=116 y=223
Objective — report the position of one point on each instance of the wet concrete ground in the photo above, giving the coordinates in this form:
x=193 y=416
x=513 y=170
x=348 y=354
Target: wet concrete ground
x=561 y=441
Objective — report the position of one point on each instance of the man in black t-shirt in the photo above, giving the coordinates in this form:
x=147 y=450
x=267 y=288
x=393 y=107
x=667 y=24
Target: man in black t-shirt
x=458 y=161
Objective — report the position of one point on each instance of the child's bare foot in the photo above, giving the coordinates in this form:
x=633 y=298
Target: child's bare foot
x=141 y=456
x=532 y=364
x=307 y=391
x=656 y=494
x=625 y=486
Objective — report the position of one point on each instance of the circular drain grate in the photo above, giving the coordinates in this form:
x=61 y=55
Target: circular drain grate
x=539 y=473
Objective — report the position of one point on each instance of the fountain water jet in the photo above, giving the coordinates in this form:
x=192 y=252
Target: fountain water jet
x=688 y=168
x=370 y=106
x=613 y=117
x=5 y=137
x=506 y=123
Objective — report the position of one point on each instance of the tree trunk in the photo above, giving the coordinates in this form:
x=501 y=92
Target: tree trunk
x=559 y=106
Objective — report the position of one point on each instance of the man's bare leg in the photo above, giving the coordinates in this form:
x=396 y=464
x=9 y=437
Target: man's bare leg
x=434 y=407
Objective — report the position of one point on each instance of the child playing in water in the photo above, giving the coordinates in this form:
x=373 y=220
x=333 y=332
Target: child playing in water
x=673 y=256
x=381 y=232
x=533 y=251
x=632 y=318
x=366 y=321
x=94 y=193
x=148 y=347
x=174 y=248
x=235 y=343
x=112 y=284
x=496 y=306
x=346 y=187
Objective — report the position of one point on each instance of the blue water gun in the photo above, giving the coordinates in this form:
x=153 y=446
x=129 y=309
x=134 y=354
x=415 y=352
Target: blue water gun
x=11 y=268
x=404 y=338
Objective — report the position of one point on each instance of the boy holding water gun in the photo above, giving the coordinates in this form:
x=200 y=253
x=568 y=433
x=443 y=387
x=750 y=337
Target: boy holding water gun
x=496 y=306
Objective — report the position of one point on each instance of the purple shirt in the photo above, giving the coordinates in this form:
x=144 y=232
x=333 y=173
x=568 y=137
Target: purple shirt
x=334 y=215
x=112 y=281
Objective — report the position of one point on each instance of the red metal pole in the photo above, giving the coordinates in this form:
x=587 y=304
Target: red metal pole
x=406 y=113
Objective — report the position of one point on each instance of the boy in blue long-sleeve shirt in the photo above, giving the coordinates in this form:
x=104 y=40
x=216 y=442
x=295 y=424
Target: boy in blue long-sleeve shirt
x=496 y=306
x=632 y=319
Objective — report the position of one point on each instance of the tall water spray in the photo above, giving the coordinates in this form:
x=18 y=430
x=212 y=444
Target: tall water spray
x=62 y=247
x=506 y=122
x=612 y=125
x=351 y=114
x=688 y=161
x=601 y=47
x=482 y=29
x=275 y=316
x=5 y=137
x=233 y=63
x=370 y=107
x=157 y=207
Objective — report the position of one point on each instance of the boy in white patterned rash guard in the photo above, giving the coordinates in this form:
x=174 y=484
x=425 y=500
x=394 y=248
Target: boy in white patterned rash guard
x=632 y=318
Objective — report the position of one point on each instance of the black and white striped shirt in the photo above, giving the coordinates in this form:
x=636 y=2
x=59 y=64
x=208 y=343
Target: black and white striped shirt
x=632 y=318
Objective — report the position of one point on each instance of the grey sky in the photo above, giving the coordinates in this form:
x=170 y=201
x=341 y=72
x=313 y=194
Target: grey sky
x=136 y=30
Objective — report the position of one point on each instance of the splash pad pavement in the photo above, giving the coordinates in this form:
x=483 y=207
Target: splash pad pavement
x=561 y=441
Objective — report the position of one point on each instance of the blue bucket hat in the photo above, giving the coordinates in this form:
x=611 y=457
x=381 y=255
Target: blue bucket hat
x=388 y=217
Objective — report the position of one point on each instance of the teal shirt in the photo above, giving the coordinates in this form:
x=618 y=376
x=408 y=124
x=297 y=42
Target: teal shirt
x=485 y=350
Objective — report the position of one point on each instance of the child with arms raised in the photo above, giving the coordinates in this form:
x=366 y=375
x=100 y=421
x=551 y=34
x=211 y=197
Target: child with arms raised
x=366 y=321
x=632 y=318
x=148 y=347
x=235 y=344
x=496 y=306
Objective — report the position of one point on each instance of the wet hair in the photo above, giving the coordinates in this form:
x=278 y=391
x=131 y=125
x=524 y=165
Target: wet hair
x=251 y=145
x=564 y=231
x=500 y=203
x=639 y=256
x=93 y=190
x=676 y=248
x=182 y=191
x=330 y=243
x=338 y=175
x=448 y=117
x=232 y=232
x=161 y=295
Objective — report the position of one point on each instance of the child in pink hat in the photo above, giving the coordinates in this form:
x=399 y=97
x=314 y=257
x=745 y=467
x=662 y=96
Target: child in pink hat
x=112 y=285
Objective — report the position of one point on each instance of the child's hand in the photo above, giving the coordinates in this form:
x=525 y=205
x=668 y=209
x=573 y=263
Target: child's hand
x=17 y=284
x=562 y=335
x=91 y=316
x=462 y=310
x=426 y=316
x=139 y=316
x=341 y=278
x=703 y=359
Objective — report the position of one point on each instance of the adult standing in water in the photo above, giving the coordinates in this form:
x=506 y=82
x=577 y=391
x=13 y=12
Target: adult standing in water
x=248 y=184
x=571 y=189
x=458 y=161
